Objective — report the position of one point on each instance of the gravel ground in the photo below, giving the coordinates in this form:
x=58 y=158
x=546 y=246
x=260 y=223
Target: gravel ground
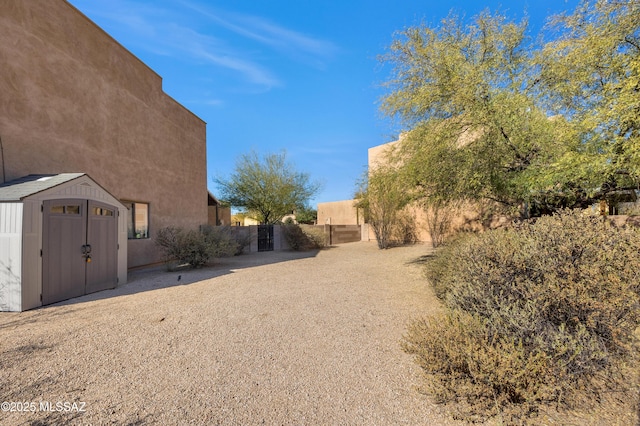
x=268 y=338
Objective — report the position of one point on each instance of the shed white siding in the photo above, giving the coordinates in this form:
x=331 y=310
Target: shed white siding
x=10 y=256
x=31 y=260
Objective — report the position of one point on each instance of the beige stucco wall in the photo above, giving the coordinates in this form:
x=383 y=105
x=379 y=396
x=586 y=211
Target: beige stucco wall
x=376 y=154
x=74 y=100
x=339 y=213
x=466 y=216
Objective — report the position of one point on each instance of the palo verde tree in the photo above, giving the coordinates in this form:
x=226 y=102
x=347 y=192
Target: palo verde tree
x=591 y=75
x=476 y=130
x=492 y=116
x=267 y=187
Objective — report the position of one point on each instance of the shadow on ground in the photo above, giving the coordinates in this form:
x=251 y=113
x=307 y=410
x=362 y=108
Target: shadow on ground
x=158 y=277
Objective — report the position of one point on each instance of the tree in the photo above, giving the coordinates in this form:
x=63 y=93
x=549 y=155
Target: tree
x=268 y=187
x=307 y=215
x=591 y=75
x=476 y=132
x=491 y=116
x=382 y=197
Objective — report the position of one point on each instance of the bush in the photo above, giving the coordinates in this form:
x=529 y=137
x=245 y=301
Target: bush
x=541 y=313
x=221 y=241
x=438 y=266
x=303 y=238
x=315 y=235
x=243 y=239
x=404 y=230
x=196 y=248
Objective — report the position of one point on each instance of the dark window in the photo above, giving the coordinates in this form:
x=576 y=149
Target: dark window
x=137 y=220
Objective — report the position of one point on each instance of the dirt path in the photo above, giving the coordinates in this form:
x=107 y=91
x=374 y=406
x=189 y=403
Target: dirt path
x=268 y=338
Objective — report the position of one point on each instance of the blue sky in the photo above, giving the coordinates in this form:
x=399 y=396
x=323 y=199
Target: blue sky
x=295 y=75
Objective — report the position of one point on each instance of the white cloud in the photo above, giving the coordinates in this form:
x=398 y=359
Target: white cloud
x=284 y=40
x=170 y=29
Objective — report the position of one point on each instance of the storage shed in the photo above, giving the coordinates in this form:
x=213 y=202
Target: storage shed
x=61 y=236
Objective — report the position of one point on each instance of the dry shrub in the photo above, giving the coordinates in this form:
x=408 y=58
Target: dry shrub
x=542 y=313
x=196 y=248
x=242 y=238
x=404 y=229
x=315 y=235
x=438 y=266
x=439 y=217
x=303 y=237
x=484 y=375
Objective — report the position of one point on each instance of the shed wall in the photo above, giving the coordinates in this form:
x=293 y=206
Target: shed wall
x=10 y=256
x=31 y=259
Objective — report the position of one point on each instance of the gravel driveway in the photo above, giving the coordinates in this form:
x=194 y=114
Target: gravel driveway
x=278 y=338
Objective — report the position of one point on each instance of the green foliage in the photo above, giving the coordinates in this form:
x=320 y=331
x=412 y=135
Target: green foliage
x=455 y=69
x=267 y=186
x=491 y=116
x=591 y=74
x=475 y=128
x=382 y=196
x=541 y=313
x=196 y=248
x=307 y=215
x=303 y=237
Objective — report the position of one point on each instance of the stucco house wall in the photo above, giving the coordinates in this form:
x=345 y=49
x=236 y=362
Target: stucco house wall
x=75 y=100
x=466 y=216
x=339 y=213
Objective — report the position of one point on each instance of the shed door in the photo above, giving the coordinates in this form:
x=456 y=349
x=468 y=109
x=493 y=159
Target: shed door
x=63 y=236
x=102 y=241
x=80 y=248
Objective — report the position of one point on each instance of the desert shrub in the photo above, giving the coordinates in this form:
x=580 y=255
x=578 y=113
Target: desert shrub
x=168 y=239
x=540 y=313
x=439 y=217
x=404 y=229
x=196 y=248
x=438 y=266
x=303 y=237
x=483 y=374
x=316 y=236
x=243 y=240
x=221 y=241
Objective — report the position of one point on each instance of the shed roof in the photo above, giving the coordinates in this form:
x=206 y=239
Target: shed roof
x=19 y=189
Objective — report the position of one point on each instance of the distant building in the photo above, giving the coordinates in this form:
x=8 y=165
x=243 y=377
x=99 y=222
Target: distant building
x=219 y=214
x=340 y=213
x=414 y=218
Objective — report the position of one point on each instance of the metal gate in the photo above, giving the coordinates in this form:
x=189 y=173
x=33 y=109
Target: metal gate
x=79 y=248
x=265 y=237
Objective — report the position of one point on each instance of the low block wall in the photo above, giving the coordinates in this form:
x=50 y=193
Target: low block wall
x=334 y=234
x=251 y=232
x=340 y=234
